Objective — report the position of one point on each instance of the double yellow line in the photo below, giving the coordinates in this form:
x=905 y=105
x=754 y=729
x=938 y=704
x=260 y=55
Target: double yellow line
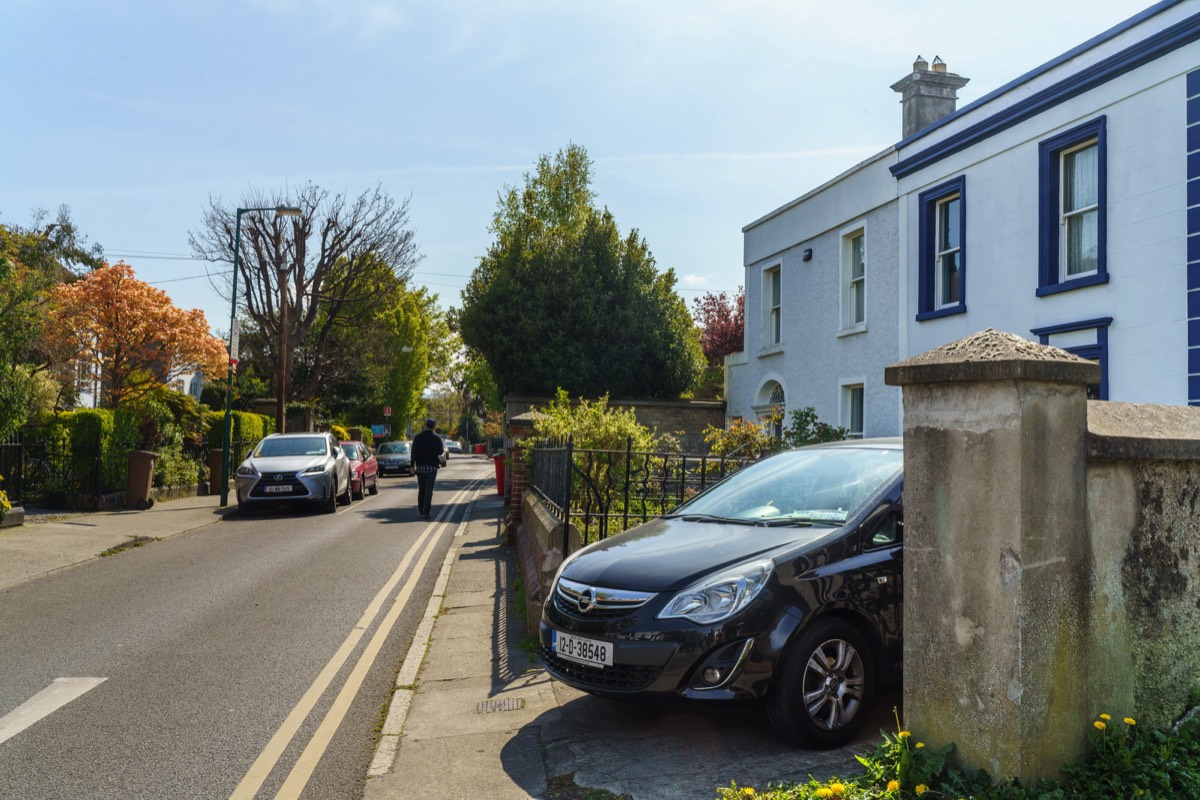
x=303 y=769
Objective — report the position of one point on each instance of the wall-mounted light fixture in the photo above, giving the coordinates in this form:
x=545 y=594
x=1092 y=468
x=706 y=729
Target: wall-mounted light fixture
x=806 y=255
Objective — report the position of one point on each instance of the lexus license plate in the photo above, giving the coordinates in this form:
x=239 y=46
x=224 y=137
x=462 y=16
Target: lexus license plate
x=278 y=489
x=586 y=651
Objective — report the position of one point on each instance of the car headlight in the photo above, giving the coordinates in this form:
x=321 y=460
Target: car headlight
x=720 y=596
x=247 y=471
x=315 y=469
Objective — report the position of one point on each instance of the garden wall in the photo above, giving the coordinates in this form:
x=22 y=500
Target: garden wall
x=1051 y=554
x=540 y=542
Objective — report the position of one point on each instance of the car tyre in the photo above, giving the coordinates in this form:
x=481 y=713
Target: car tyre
x=244 y=508
x=362 y=488
x=824 y=685
x=375 y=484
x=346 y=497
x=331 y=502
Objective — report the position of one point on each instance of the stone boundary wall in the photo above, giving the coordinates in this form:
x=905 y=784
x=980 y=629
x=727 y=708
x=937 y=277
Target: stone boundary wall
x=539 y=543
x=1143 y=489
x=1051 y=555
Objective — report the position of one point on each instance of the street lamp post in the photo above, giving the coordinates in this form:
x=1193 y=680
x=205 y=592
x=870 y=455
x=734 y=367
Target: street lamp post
x=283 y=211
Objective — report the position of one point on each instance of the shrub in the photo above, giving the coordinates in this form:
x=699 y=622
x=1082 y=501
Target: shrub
x=1124 y=761
x=340 y=433
x=593 y=425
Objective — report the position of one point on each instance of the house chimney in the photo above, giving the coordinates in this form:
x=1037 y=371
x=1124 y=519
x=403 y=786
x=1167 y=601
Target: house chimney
x=927 y=95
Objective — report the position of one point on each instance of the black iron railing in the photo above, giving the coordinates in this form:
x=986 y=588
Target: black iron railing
x=603 y=492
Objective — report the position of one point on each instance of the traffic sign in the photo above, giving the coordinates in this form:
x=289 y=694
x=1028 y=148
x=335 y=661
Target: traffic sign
x=387 y=411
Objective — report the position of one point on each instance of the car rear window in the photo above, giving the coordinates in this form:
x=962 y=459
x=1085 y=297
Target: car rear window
x=393 y=447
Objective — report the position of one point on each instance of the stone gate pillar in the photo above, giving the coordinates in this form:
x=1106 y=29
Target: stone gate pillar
x=995 y=553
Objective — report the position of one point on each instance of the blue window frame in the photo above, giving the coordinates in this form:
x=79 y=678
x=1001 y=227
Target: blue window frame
x=1073 y=209
x=942 y=250
x=1097 y=352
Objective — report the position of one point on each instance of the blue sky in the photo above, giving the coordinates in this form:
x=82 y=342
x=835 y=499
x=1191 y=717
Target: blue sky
x=700 y=116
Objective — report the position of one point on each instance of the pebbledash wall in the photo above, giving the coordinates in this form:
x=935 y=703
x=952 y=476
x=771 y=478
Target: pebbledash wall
x=1135 y=91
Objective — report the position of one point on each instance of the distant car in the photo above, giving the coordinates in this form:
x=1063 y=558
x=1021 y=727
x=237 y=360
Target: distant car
x=395 y=458
x=454 y=446
x=294 y=467
x=364 y=469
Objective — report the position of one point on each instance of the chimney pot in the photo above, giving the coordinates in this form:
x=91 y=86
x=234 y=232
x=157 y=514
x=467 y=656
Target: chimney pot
x=920 y=65
x=938 y=64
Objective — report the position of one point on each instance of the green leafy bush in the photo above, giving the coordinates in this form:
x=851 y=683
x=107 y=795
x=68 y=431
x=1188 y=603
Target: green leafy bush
x=1124 y=761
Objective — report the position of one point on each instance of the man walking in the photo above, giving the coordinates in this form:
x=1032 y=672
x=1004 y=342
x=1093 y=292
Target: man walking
x=426 y=451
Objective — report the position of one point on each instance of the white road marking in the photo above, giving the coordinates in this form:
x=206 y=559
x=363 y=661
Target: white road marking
x=271 y=754
x=60 y=692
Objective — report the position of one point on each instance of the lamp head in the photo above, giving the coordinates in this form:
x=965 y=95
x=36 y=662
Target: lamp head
x=287 y=211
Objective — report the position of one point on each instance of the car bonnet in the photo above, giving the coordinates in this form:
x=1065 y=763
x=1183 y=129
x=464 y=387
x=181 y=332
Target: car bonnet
x=671 y=554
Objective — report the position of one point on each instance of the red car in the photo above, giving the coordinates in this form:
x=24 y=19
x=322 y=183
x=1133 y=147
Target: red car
x=364 y=470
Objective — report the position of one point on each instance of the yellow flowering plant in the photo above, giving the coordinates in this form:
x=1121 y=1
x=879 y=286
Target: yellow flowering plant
x=902 y=764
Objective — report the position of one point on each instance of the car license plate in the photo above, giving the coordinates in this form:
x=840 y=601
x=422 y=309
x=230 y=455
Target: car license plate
x=585 y=651
x=277 y=489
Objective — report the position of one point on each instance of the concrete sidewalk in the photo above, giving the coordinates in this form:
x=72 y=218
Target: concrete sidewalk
x=482 y=719
x=48 y=542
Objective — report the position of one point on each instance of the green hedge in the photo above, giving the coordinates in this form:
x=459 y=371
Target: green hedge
x=248 y=428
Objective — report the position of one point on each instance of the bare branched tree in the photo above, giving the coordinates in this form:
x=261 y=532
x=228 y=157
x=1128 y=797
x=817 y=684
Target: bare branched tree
x=332 y=265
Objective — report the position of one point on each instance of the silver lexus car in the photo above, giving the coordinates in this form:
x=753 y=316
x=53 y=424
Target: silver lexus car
x=294 y=467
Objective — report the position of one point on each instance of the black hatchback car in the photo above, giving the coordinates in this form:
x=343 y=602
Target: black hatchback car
x=782 y=583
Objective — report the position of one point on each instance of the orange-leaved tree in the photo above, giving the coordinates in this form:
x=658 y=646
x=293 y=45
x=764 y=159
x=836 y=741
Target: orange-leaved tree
x=130 y=333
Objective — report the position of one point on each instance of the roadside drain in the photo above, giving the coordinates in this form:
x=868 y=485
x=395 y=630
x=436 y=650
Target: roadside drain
x=500 y=704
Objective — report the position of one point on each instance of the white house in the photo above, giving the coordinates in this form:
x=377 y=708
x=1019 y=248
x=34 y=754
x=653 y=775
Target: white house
x=1063 y=206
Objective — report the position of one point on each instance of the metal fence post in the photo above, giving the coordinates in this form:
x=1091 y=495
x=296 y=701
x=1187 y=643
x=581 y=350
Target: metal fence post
x=628 y=462
x=570 y=465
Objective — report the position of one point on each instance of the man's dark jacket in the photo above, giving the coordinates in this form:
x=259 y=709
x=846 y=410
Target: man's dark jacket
x=426 y=448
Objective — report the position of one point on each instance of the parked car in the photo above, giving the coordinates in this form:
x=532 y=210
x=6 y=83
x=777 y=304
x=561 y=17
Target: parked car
x=294 y=467
x=394 y=458
x=780 y=584
x=454 y=446
x=364 y=469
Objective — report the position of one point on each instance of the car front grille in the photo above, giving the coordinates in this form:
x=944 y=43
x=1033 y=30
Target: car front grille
x=279 y=479
x=583 y=602
x=617 y=678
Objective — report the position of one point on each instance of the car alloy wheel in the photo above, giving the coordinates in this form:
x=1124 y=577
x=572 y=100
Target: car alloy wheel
x=331 y=501
x=375 y=484
x=825 y=683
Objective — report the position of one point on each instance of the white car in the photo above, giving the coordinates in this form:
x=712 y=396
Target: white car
x=294 y=467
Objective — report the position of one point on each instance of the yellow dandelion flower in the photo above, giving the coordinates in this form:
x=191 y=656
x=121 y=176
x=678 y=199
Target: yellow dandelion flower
x=1105 y=717
x=749 y=791
x=1130 y=721
x=893 y=786
x=1098 y=725
x=920 y=745
x=921 y=788
x=903 y=734
x=824 y=792
x=837 y=788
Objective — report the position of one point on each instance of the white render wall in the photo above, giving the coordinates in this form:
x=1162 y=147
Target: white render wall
x=814 y=361
x=1146 y=294
x=1145 y=111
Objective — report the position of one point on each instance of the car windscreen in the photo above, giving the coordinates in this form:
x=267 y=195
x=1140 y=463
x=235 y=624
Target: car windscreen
x=292 y=446
x=351 y=452
x=817 y=485
x=392 y=448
